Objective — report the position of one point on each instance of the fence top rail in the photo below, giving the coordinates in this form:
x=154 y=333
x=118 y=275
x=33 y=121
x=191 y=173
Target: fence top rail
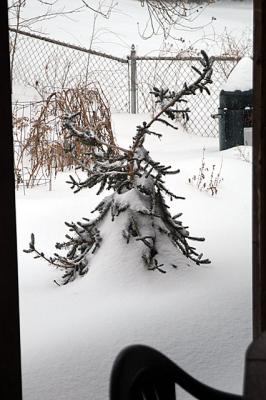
x=119 y=59
x=70 y=46
x=185 y=58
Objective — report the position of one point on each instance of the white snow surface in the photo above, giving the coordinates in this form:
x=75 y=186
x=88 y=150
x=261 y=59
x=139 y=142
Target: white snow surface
x=126 y=25
x=24 y=94
x=241 y=76
x=199 y=316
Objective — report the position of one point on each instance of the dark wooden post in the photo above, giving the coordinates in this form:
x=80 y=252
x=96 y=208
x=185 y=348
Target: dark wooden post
x=255 y=373
x=259 y=170
x=10 y=370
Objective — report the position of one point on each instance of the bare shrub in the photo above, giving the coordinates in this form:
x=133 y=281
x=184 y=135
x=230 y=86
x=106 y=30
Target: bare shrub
x=40 y=139
x=244 y=153
x=235 y=47
x=207 y=179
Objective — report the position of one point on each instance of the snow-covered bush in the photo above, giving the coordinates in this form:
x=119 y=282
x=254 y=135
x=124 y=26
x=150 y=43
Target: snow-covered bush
x=137 y=202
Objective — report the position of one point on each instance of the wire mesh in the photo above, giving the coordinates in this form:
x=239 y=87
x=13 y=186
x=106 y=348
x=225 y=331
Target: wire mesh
x=172 y=74
x=49 y=65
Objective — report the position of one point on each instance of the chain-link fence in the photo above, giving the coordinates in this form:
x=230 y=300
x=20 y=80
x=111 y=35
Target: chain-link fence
x=49 y=65
x=172 y=73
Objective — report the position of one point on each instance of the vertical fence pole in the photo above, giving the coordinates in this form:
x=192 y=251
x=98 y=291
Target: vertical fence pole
x=133 y=80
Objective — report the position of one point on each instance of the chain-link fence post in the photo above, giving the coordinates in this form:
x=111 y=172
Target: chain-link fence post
x=133 y=80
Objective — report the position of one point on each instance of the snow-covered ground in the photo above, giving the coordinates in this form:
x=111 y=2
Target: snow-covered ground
x=199 y=316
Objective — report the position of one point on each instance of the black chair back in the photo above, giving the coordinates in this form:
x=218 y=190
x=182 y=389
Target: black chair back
x=142 y=373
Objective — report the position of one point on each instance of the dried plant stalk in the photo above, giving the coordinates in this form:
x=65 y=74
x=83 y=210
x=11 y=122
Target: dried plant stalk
x=44 y=145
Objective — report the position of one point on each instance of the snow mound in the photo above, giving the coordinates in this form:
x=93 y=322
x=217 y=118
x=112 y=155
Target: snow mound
x=241 y=78
x=200 y=317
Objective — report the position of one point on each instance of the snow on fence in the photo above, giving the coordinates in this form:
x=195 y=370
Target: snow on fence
x=49 y=65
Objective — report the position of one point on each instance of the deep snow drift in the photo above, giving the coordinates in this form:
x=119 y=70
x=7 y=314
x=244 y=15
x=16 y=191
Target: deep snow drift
x=198 y=316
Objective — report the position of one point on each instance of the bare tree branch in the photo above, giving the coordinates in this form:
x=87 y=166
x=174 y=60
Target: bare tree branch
x=165 y=15
x=49 y=3
x=106 y=14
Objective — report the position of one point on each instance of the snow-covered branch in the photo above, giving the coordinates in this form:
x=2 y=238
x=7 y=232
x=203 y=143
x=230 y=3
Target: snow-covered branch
x=137 y=203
